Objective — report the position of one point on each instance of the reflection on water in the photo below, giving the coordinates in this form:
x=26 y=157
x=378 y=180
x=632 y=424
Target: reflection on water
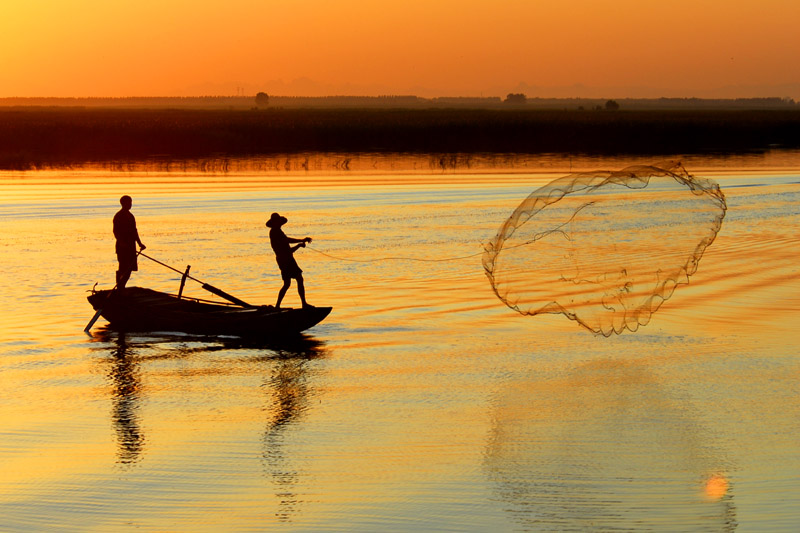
x=289 y=386
x=606 y=447
x=692 y=421
x=386 y=163
x=124 y=377
x=285 y=369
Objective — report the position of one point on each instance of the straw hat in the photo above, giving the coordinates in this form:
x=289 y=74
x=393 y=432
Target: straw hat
x=276 y=221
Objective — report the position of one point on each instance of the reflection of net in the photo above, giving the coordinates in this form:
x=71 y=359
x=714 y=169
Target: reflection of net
x=604 y=448
x=605 y=248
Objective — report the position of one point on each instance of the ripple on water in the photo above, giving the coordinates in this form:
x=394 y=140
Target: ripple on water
x=421 y=403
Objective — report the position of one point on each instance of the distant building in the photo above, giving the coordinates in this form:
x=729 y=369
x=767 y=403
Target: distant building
x=516 y=99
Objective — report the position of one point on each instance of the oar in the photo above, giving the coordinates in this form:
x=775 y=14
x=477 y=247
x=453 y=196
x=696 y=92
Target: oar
x=98 y=313
x=206 y=286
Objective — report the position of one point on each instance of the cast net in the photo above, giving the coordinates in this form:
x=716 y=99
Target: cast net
x=605 y=248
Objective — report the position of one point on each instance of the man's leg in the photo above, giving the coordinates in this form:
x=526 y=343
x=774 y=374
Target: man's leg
x=301 y=290
x=282 y=292
x=123 y=275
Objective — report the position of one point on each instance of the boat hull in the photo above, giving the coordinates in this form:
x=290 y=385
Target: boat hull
x=139 y=309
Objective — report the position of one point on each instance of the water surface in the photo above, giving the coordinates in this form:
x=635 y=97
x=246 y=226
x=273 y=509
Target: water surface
x=422 y=402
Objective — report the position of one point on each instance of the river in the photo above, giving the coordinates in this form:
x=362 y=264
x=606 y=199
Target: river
x=422 y=402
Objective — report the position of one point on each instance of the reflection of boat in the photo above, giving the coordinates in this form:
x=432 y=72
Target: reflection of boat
x=130 y=360
x=139 y=309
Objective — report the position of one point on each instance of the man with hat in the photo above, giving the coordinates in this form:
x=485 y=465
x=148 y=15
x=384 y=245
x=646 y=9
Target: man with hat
x=284 y=254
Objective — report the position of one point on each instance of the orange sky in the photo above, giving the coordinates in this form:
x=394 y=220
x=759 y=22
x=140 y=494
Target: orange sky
x=425 y=47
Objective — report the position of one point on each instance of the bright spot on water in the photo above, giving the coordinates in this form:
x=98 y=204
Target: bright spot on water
x=716 y=487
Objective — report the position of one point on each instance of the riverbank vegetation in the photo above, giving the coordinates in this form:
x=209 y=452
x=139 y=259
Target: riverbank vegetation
x=43 y=137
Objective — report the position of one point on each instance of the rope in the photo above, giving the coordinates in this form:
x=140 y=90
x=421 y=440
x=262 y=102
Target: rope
x=536 y=237
x=393 y=258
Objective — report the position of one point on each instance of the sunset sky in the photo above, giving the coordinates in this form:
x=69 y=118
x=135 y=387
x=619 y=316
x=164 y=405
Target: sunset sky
x=425 y=47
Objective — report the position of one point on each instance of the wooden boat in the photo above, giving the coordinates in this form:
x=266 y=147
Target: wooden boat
x=139 y=309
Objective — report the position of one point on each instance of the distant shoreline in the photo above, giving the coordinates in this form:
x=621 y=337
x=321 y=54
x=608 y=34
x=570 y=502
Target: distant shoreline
x=53 y=137
x=398 y=101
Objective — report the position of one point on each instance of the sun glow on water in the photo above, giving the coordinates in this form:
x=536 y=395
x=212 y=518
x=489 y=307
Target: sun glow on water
x=420 y=401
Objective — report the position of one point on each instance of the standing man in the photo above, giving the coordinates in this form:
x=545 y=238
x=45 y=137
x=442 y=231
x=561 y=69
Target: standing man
x=127 y=237
x=284 y=254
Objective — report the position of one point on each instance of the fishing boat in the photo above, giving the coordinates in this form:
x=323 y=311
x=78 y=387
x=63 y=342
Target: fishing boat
x=140 y=309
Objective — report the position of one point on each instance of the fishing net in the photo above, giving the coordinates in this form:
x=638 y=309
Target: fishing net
x=606 y=248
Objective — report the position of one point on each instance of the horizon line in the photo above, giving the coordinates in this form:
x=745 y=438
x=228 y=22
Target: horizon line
x=394 y=96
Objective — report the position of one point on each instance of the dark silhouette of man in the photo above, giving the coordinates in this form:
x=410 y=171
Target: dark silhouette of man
x=127 y=237
x=284 y=255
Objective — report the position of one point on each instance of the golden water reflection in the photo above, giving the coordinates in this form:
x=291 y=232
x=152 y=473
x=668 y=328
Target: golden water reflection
x=284 y=370
x=386 y=424
x=123 y=375
x=604 y=447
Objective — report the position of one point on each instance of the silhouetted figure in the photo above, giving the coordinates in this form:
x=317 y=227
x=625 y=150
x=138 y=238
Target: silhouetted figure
x=127 y=236
x=284 y=254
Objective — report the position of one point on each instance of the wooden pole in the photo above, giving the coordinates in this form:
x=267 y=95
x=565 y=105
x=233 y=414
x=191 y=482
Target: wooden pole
x=183 y=281
x=206 y=286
